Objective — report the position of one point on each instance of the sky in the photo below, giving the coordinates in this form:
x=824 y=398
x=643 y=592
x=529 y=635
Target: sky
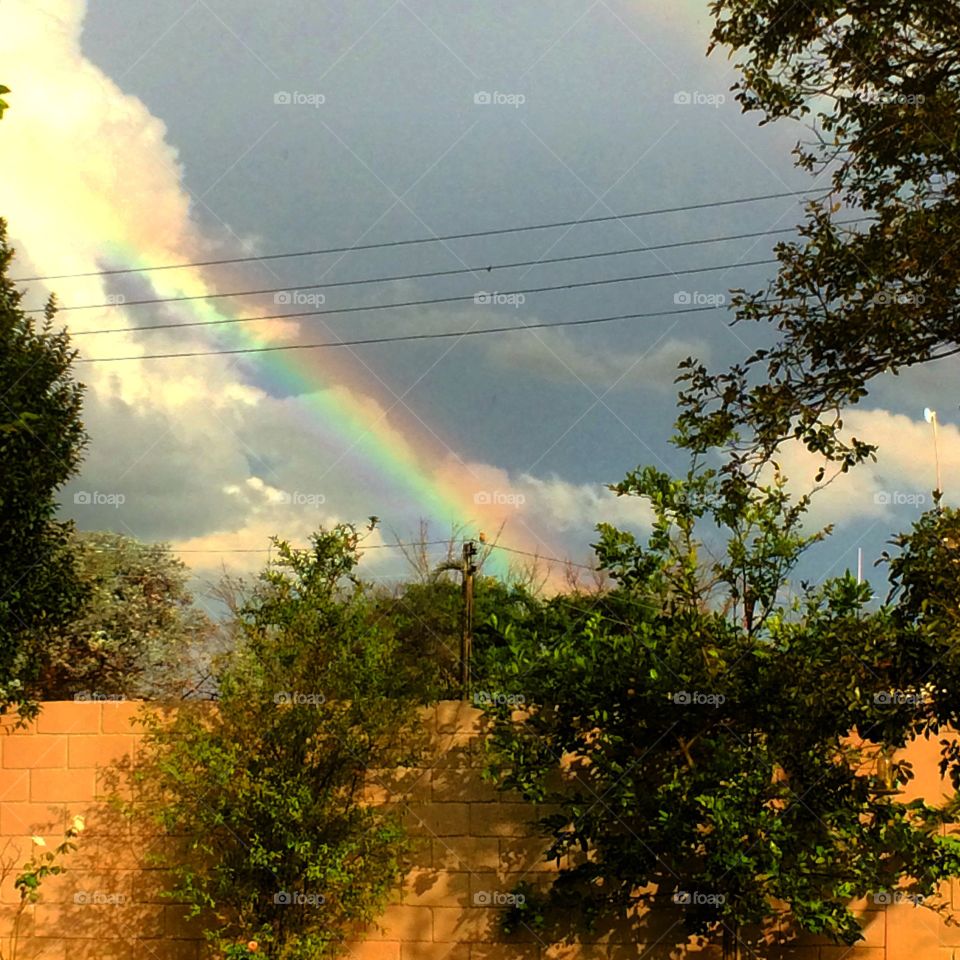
x=149 y=134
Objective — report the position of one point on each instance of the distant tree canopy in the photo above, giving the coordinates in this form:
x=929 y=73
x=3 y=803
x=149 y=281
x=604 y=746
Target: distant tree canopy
x=137 y=632
x=41 y=445
x=879 y=83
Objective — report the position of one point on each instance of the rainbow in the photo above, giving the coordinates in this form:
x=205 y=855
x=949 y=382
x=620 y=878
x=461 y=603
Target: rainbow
x=409 y=470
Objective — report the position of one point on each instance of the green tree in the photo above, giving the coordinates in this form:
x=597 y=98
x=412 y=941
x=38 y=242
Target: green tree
x=137 y=633
x=712 y=746
x=879 y=83
x=41 y=444
x=271 y=839
x=3 y=103
x=427 y=621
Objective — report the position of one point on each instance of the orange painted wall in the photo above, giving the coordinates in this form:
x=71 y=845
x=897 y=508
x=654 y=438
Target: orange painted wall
x=473 y=845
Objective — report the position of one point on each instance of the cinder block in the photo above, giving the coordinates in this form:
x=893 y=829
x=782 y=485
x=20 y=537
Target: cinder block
x=502 y=820
x=436 y=888
x=458 y=925
x=28 y=753
x=457 y=716
x=78 y=886
x=42 y=948
x=89 y=750
x=25 y=819
x=367 y=950
x=910 y=932
x=400 y=922
x=402 y=785
x=434 y=951
x=69 y=716
x=14 y=786
x=61 y=786
x=97 y=921
x=438 y=819
x=510 y=951
x=463 y=785
x=134 y=950
x=151 y=886
x=459 y=751
x=525 y=855
x=8 y=916
x=118 y=716
x=466 y=853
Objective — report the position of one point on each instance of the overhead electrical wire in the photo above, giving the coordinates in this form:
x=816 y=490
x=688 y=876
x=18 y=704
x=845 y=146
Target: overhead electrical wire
x=430 y=301
x=400 y=339
x=290 y=288
x=420 y=240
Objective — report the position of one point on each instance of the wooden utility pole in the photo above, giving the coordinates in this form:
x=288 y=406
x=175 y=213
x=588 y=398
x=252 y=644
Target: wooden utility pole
x=466 y=626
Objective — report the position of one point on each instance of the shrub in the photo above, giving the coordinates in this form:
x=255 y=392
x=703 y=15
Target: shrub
x=262 y=794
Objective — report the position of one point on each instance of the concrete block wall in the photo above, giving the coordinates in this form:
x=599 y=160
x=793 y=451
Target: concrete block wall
x=473 y=845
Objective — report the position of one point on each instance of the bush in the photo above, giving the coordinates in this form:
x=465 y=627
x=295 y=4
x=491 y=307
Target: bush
x=263 y=794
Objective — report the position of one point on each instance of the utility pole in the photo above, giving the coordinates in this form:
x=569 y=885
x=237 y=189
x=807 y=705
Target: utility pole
x=466 y=627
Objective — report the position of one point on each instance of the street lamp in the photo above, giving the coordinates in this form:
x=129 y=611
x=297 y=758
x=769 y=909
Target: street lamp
x=931 y=417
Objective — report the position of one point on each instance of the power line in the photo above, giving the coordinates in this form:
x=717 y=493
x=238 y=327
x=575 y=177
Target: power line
x=432 y=273
x=540 y=556
x=372 y=546
x=381 y=546
x=399 y=339
x=470 y=297
x=418 y=240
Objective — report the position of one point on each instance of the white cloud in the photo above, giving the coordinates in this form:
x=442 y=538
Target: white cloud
x=899 y=484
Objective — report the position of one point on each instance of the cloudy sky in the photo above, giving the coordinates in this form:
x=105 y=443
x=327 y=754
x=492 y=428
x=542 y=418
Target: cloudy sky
x=168 y=132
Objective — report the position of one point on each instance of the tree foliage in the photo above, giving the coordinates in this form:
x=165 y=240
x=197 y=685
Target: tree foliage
x=263 y=796
x=137 y=633
x=713 y=746
x=41 y=444
x=879 y=84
